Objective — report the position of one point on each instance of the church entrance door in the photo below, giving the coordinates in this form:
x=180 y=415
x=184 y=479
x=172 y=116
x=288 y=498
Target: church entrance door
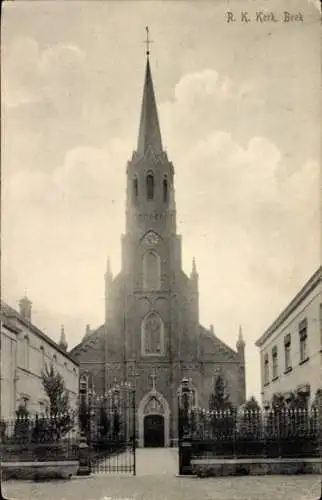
x=154 y=431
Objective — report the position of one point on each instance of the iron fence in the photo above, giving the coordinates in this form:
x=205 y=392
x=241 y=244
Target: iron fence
x=274 y=433
x=34 y=438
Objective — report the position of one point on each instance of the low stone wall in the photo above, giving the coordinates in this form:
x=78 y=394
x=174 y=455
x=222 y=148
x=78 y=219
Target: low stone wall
x=39 y=470
x=255 y=467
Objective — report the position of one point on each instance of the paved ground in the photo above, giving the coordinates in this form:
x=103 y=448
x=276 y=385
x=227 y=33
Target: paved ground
x=156 y=480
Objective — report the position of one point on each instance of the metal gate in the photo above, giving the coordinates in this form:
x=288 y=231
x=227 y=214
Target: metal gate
x=111 y=431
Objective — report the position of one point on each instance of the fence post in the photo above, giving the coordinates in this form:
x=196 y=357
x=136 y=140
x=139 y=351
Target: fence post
x=133 y=393
x=320 y=432
x=84 y=468
x=184 y=430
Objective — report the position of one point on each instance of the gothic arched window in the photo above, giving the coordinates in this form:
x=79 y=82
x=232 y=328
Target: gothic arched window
x=135 y=188
x=152 y=335
x=150 y=186
x=151 y=271
x=165 y=190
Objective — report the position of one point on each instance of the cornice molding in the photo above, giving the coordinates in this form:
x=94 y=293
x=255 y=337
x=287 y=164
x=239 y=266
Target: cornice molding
x=309 y=286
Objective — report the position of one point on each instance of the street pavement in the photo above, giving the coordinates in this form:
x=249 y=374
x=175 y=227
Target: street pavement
x=156 y=480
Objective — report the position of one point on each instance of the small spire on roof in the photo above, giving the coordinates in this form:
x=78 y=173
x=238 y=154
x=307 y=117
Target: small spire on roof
x=63 y=342
x=194 y=267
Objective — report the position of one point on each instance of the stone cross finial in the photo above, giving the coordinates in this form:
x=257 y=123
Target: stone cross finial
x=153 y=377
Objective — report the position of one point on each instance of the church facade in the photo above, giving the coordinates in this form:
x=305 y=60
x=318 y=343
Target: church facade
x=152 y=336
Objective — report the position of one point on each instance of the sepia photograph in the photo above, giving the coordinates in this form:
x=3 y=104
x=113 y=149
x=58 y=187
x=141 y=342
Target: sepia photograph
x=161 y=277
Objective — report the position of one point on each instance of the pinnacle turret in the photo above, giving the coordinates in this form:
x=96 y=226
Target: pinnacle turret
x=108 y=268
x=63 y=342
x=240 y=344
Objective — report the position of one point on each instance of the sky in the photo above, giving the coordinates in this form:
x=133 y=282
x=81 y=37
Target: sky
x=240 y=113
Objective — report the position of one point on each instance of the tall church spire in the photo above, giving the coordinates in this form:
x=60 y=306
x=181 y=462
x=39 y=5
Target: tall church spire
x=149 y=131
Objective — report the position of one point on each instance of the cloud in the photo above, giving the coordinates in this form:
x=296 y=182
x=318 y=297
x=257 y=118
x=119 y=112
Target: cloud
x=193 y=86
x=21 y=79
x=30 y=74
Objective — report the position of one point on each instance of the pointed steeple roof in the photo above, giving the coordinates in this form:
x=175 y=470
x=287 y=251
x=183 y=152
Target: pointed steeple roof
x=149 y=131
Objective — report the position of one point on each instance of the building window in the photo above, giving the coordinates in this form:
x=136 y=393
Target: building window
x=274 y=363
x=151 y=271
x=135 y=187
x=152 y=335
x=26 y=352
x=165 y=190
x=83 y=388
x=150 y=186
x=303 y=339
x=266 y=369
x=287 y=351
x=42 y=354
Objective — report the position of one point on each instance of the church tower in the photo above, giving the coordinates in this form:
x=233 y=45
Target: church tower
x=151 y=248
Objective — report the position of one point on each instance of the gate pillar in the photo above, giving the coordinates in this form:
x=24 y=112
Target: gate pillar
x=84 y=468
x=184 y=428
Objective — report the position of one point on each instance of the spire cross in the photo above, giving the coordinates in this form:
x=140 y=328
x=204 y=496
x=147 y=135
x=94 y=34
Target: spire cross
x=147 y=41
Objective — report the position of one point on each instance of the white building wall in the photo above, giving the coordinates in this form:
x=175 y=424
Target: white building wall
x=305 y=373
x=21 y=380
x=8 y=372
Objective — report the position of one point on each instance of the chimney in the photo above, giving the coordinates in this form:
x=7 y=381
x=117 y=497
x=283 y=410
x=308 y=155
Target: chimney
x=25 y=308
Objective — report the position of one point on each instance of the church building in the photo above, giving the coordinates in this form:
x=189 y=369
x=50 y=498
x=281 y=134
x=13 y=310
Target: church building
x=152 y=337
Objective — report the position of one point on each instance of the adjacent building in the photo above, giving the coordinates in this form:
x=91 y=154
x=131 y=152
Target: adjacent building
x=291 y=348
x=25 y=350
x=152 y=336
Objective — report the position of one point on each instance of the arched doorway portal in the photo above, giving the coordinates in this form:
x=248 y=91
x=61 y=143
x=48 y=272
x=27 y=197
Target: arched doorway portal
x=153 y=431
x=154 y=419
